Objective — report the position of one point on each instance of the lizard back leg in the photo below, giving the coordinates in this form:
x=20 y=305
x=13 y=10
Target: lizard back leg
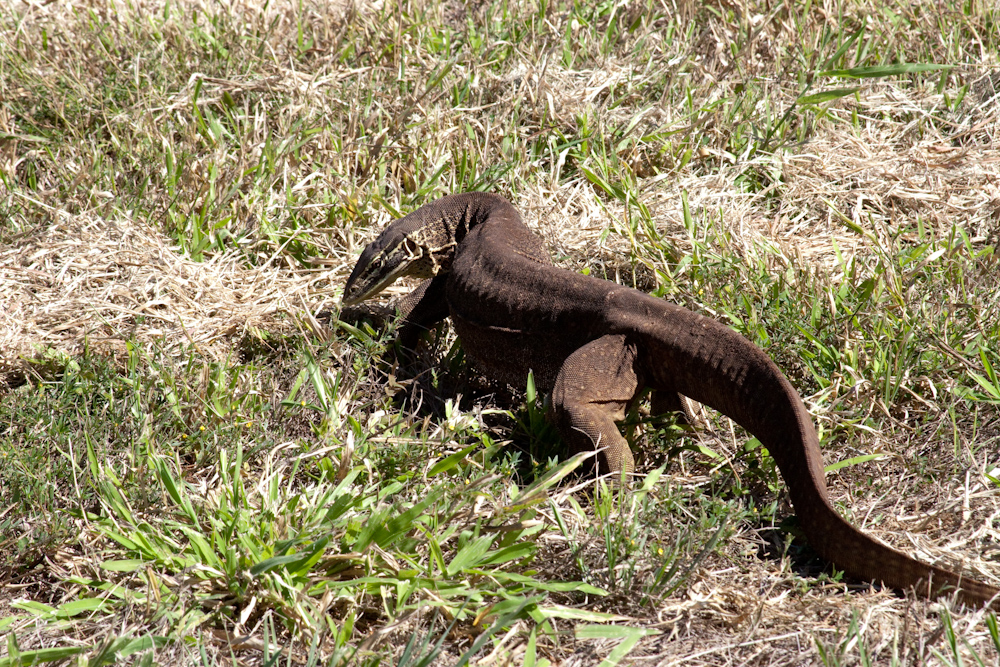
x=661 y=402
x=592 y=391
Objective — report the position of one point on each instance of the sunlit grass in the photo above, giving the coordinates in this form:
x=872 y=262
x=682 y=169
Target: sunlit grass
x=199 y=461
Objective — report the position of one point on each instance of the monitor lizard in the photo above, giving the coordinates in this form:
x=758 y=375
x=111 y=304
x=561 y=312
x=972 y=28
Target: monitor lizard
x=597 y=346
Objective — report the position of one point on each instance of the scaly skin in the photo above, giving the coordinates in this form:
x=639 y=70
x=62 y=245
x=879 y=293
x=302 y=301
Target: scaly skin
x=597 y=346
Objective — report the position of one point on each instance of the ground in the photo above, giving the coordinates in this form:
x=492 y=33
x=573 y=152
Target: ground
x=204 y=460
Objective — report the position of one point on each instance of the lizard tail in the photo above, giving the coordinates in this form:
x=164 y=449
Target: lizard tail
x=710 y=363
x=863 y=557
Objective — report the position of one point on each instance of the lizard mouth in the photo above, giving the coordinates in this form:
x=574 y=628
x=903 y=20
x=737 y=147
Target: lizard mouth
x=358 y=290
x=378 y=267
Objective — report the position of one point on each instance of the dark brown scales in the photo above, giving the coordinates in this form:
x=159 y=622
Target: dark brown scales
x=598 y=345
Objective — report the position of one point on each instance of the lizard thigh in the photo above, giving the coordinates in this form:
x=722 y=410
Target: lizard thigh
x=592 y=390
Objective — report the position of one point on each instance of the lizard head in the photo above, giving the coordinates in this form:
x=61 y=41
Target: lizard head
x=392 y=255
x=421 y=244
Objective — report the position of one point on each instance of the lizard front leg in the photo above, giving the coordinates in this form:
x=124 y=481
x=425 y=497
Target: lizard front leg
x=422 y=309
x=592 y=391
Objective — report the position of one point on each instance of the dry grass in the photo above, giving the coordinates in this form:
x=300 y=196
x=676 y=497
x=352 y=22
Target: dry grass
x=86 y=280
x=197 y=180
